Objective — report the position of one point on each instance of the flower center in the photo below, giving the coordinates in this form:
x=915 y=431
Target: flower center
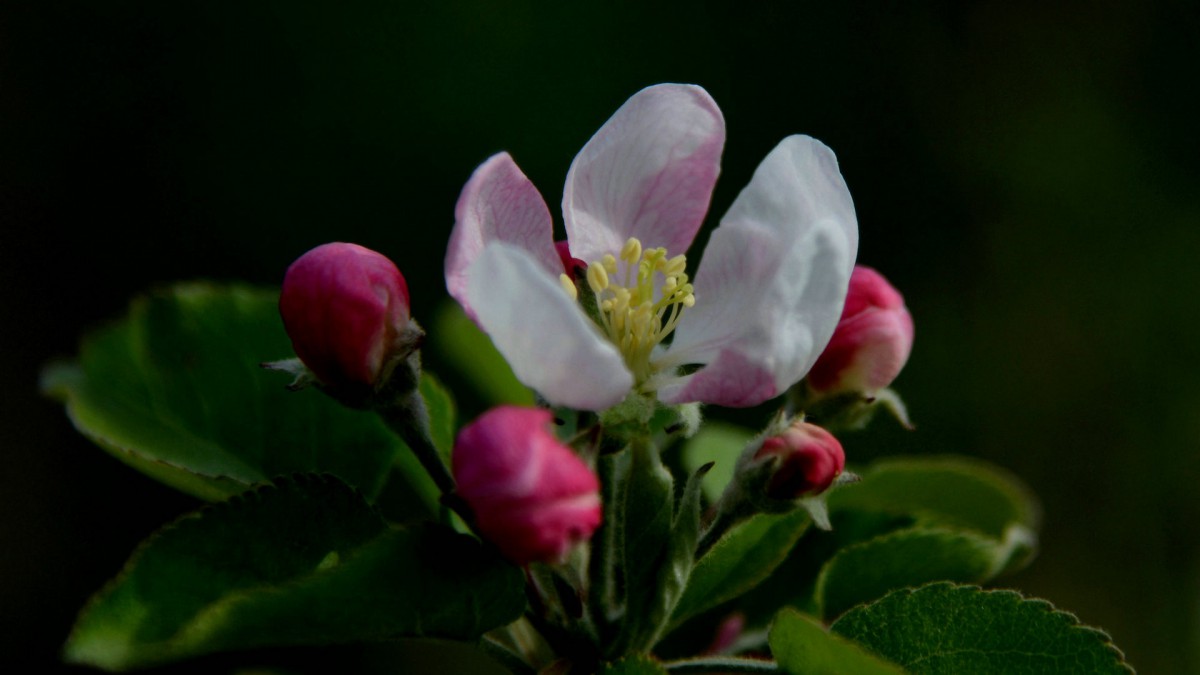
x=640 y=305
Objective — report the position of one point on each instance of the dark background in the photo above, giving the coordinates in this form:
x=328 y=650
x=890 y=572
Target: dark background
x=1026 y=175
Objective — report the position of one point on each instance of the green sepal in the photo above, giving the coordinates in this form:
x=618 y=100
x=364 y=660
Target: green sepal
x=301 y=561
x=681 y=556
x=646 y=500
x=946 y=628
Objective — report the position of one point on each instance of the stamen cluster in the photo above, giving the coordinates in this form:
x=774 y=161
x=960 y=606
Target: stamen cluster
x=641 y=301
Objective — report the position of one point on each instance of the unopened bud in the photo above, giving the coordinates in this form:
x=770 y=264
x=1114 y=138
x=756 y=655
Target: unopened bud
x=807 y=461
x=872 y=340
x=530 y=495
x=346 y=310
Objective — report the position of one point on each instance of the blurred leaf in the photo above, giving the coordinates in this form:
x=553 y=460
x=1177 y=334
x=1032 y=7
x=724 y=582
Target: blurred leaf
x=953 y=491
x=633 y=665
x=175 y=390
x=803 y=647
x=439 y=403
x=944 y=628
x=302 y=561
x=721 y=444
x=745 y=556
x=870 y=569
x=471 y=351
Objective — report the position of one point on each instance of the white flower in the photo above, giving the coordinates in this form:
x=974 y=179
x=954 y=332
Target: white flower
x=767 y=295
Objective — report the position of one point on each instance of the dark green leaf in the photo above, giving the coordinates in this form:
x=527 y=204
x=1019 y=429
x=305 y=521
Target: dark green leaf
x=803 y=647
x=740 y=560
x=299 y=562
x=175 y=390
x=943 y=628
x=870 y=569
x=471 y=351
x=954 y=491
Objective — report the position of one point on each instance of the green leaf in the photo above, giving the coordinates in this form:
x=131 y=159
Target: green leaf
x=299 y=562
x=911 y=557
x=739 y=561
x=944 y=628
x=803 y=647
x=720 y=444
x=471 y=351
x=955 y=491
x=174 y=389
x=633 y=665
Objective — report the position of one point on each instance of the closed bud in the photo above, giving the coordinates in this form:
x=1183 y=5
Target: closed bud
x=807 y=459
x=872 y=340
x=530 y=495
x=346 y=309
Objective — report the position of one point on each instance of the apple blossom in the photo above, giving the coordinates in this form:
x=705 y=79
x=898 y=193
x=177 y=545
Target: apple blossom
x=346 y=310
x=872 y=340
x=530 y=495
x=767 y=293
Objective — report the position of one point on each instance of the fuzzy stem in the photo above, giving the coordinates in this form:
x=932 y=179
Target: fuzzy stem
x=721 y=664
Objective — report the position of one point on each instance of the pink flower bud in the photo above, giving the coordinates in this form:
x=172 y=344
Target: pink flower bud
x=345 y=308
x=809 y=460
x=531 y=495
x=872 y=340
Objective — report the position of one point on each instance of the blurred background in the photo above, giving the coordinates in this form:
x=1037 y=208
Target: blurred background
x=1026 y=174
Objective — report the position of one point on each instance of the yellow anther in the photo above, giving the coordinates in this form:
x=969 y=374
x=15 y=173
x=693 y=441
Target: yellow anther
x=609 y=263
x=597 y=278
x=675 y=266
x=568 y=286
x=632 y=250
x=689 y=300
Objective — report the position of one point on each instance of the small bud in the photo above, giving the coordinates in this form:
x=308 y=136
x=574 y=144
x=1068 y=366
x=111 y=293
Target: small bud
x=530 y=495
x=808 y=460
x=346 y=309
x=872 y=340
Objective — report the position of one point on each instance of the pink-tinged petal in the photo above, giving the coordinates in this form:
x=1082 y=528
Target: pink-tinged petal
x=498 y=203
x=732 y=380
x=545 y=336
x=773 y=280
x=648 y=173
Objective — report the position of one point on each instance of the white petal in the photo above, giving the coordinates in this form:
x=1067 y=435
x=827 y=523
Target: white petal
x=773 y=280
x=647 y=173
x=545 y=336
x=498 y=203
